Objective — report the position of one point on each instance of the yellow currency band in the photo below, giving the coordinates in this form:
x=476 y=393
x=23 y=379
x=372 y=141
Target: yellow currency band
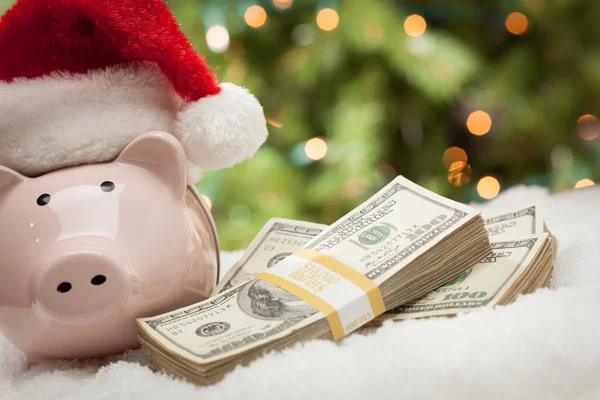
x=371 y=290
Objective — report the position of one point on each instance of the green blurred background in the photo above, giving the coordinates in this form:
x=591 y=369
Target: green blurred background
x=464 y=97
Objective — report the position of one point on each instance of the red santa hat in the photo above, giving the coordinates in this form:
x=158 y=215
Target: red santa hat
x=80 y=79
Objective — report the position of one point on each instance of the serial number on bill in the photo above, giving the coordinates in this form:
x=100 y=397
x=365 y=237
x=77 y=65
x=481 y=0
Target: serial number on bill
x=291 y=242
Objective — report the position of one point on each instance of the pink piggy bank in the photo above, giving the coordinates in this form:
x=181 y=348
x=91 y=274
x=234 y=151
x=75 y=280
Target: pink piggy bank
x=86 y=250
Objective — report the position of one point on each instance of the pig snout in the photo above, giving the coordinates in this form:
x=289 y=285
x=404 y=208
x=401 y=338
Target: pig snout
x=80 y=285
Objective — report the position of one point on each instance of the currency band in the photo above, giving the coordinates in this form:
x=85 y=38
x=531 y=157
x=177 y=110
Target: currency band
x=342 y=294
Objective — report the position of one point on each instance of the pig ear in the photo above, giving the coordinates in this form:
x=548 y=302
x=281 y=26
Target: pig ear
x=161 y=154
x=9 y=179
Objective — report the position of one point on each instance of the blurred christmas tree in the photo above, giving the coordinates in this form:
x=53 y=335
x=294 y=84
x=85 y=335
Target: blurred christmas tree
x=463 y=97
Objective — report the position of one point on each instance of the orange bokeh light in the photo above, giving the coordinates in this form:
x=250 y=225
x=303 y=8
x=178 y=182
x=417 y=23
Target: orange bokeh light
x=516 y=23
x=283 y=4
x=488 y=187
x=275 y=123
x=208 y=201
x=459 y=173
x=454 y=154
x=415 y=25
x=255 y=16
x=328 y=19
x=316 y=149
x=588 y=127
x=479 y=123
x=584 y=183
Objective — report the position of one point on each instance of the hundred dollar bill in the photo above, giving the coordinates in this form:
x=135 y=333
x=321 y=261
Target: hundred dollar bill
x=514 y=266
x=393 y=229
x=278 y=239
x=528 y=220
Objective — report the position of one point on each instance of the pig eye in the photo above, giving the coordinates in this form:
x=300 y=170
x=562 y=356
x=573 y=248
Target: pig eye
x=107 y=186
x=43 y=200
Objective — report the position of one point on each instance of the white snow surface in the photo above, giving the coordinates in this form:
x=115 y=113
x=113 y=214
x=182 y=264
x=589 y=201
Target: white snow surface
x=544 y=346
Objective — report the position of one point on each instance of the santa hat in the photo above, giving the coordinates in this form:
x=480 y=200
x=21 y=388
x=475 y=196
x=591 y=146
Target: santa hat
x=80 y=79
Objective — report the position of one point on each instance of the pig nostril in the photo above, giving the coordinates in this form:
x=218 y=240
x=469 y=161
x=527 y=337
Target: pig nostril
x=64 y=287
x=43 y=200
x=98 y=280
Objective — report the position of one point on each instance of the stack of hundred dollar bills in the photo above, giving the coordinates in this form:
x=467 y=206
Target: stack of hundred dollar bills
x=520 y=263
x=427 y=254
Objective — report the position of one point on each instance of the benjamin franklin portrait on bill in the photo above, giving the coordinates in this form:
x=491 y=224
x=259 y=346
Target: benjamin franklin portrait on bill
x=268 y=301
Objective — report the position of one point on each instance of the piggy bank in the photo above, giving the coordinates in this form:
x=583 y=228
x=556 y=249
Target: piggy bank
x=86 y=250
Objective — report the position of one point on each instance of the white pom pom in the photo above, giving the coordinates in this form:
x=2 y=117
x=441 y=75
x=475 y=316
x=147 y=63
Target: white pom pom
x=222 y=130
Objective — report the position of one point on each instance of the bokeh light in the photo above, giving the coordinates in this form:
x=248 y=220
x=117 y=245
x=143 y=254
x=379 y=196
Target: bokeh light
x=304 y=34
x=240 y=215
x=283 y=4
x=235 y=51
x=374 y=32
x=584 y=183
x=453 y=154
x=217 y=38
x=270 y=197
x=275 y=123
x=208 y=201
x=428 y=95
x=387 y=172
x=588 y=127
x=516 y=23
x=316 y=149
x=356 y=187
x=255 y=16
x=488 y=187
x=328 y=19
x=459 y=173
x=479 y=123
x=236 y=73
x=415 y=25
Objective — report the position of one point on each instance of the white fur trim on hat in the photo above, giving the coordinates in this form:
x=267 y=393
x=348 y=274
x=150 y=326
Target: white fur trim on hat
x=63 y=120
x=222 y=130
